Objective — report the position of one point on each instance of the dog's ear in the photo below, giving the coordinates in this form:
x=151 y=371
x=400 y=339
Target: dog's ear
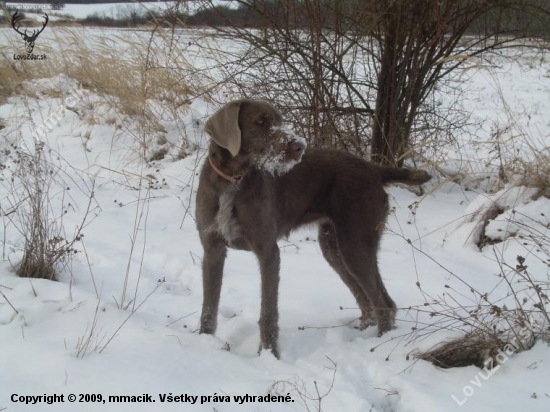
x=223 y=127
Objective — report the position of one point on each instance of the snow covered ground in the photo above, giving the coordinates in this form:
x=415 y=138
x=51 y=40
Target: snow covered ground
x=123 y=321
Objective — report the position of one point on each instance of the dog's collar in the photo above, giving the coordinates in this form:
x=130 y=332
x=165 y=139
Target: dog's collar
x=232 y=179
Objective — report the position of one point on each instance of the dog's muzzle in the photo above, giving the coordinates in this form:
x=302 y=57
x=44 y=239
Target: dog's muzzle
x=293 y=145
x=296 y=150
x=284 y=151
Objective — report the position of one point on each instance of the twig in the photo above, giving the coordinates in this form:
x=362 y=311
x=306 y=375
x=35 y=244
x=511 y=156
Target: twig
x=9 y=303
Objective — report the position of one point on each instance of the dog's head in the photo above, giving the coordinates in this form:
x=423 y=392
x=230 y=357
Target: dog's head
x=252 y=131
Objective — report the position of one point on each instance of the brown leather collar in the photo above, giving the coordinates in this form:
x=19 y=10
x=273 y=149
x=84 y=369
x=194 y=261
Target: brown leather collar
x=232 y=179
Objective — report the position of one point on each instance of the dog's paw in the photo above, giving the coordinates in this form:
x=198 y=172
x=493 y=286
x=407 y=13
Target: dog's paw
x=385 y=324
x=367 y=321
x=271 y=348
x=386 y=321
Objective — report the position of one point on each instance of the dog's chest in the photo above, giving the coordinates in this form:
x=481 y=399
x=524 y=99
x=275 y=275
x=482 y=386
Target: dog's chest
x=244 y=212
x=226 y=220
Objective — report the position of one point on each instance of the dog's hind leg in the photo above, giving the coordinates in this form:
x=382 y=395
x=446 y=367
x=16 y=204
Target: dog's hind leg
x=360 y=259
x=358 y=245
x=215 y=251
x=329 y=247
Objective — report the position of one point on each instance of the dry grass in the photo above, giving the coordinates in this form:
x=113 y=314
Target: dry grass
x=472 y=349
x=128 y=66
x=144 y=76
x=522 y=159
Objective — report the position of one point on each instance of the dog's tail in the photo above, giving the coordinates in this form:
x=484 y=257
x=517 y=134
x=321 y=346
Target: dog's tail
x=413 y=177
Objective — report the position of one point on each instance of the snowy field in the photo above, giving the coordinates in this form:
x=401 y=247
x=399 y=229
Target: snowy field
x=123 y=318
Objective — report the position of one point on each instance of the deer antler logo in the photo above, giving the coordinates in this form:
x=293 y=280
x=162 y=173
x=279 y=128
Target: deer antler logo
x=29 y=40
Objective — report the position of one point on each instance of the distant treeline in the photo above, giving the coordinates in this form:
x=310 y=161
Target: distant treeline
x=271 y=13
x=68 y=1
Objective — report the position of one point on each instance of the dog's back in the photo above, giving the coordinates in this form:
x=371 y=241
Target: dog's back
x=329 y=182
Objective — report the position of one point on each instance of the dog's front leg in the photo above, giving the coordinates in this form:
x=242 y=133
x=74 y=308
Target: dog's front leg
x=269 y=259
x=215 y=251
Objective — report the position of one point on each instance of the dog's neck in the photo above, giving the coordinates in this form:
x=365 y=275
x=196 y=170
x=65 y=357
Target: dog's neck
x=229 y=178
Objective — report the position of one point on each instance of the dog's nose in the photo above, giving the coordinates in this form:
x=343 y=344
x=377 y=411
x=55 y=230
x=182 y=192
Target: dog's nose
x=296 y=148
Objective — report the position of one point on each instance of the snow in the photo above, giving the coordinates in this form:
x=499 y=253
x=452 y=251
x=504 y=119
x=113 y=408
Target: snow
x=79 y=335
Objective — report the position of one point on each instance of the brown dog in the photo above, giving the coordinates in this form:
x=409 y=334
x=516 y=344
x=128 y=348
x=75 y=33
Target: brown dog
x=260 y=183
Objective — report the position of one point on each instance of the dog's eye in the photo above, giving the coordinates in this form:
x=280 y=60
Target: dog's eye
x=262 y=119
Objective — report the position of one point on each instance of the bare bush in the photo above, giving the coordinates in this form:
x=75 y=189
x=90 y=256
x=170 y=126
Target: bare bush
x=489 y=326
x=362 y=75
x=38 y=199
